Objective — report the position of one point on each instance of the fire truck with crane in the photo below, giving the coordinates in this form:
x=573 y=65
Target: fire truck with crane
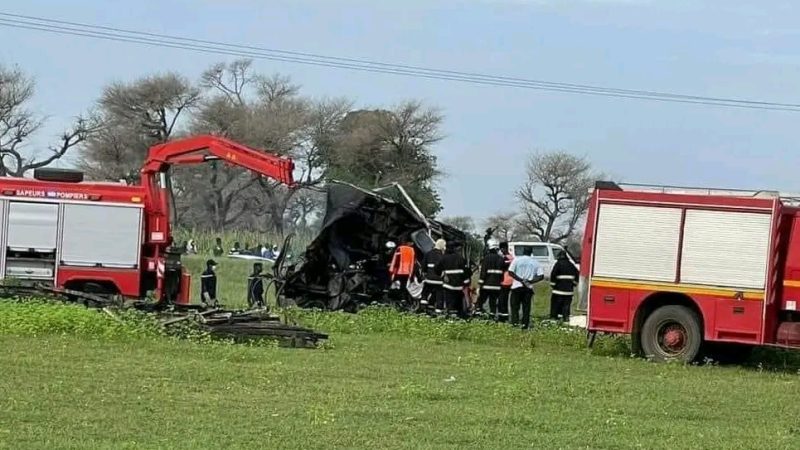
x=685 y=270
x=101 y=239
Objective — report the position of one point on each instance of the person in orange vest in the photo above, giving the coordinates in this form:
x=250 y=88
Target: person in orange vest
x=402 y=266
x=505 y=285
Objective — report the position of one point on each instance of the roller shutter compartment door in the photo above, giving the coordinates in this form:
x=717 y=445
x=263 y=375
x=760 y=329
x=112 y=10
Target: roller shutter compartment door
x=32 y=226
x=637 y=242
x=728 y=249
x=99 y=235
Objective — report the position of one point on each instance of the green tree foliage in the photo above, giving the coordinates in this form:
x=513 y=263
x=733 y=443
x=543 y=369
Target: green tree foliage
x=376 y=148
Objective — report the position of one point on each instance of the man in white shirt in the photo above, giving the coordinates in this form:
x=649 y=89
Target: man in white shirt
x=526 y=272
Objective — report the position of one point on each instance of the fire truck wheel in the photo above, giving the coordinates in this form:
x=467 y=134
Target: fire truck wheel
x=672 y=333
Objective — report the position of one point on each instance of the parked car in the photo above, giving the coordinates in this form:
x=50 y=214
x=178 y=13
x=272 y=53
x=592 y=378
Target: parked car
x=545 y=253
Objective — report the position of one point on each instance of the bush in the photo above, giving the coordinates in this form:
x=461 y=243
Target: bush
x=41 y=317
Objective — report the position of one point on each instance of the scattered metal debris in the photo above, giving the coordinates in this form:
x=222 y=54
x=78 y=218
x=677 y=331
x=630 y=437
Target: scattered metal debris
x=237 y=325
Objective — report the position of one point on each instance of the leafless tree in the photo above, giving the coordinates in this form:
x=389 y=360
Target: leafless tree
x=304 y=208
x=322 y=136
x=555 y=195
x=463 y=223
x=276 y=88
x=231 y=80
x=154 y=103
x=18 y=123
x=307 y=137
x=136 y=116
x=267 y=113
x=114 y=152
x=503 y=224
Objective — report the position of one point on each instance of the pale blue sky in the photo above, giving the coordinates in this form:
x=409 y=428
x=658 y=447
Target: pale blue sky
x=731 y=48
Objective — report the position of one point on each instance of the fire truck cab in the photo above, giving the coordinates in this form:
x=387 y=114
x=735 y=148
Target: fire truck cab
x=686 y=269
x=58 y=231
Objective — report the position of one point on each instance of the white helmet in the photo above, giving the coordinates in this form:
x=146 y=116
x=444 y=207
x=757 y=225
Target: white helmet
x=492 y=244
x=390 y=245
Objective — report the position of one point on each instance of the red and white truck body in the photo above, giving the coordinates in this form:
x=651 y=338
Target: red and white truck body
x=71 y=234
x=731 y=258
x=111 y=238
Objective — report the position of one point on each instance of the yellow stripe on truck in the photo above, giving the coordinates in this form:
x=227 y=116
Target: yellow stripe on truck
x=748 y=294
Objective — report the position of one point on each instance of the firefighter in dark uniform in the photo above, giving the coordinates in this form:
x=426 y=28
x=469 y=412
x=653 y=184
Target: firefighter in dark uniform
x=455 y=278
x=255 y=287
x=208 y=284
x=173 y=271
x=432 y=285
x=492 y=268
x=563 y=279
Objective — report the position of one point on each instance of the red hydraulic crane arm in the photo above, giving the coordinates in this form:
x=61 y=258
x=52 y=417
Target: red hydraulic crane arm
x=192 y=150
x=206 y=148
x=197 y=150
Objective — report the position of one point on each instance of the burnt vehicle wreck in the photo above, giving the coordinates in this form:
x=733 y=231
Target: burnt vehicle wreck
x=346 y=265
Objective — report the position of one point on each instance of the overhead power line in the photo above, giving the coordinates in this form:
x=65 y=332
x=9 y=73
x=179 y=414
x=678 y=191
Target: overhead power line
x=248 y=51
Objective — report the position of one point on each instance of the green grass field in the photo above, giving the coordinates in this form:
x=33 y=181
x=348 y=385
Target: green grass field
x=77 y=378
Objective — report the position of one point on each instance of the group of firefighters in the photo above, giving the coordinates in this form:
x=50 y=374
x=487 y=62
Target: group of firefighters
x=506 y=283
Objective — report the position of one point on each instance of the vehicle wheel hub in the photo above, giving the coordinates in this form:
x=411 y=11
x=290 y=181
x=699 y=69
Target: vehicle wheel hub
x=673 y=338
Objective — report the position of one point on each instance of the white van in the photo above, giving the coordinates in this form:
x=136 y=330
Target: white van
x=544 y=252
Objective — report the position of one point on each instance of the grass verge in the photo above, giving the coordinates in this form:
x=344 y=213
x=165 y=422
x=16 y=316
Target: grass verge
x=74 y=378
x=394 y=384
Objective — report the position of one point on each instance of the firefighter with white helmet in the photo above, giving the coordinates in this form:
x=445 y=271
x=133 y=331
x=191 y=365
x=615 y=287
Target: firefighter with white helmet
x=491 y=277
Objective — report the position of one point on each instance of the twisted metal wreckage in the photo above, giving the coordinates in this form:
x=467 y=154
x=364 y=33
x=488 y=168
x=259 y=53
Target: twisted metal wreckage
x=345 y=266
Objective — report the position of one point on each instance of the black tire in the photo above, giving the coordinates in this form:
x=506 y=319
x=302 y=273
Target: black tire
x=63 y=175
x=316 y=304
x=672 y=333
x=410 y=304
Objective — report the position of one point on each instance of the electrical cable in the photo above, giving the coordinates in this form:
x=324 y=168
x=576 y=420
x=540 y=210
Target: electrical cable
x=206 y=46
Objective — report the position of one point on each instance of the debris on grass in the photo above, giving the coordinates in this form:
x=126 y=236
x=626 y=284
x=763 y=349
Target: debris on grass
x=33 y=317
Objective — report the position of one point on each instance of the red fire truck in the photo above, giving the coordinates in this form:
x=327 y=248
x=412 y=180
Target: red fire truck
x=684 y=269
x=110 y=238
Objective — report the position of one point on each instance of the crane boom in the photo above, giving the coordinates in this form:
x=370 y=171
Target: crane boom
x=196 y=150
x=193 y=150
x=206 y=148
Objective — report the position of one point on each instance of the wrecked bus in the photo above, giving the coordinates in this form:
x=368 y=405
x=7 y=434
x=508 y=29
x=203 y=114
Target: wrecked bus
x=345 y=266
